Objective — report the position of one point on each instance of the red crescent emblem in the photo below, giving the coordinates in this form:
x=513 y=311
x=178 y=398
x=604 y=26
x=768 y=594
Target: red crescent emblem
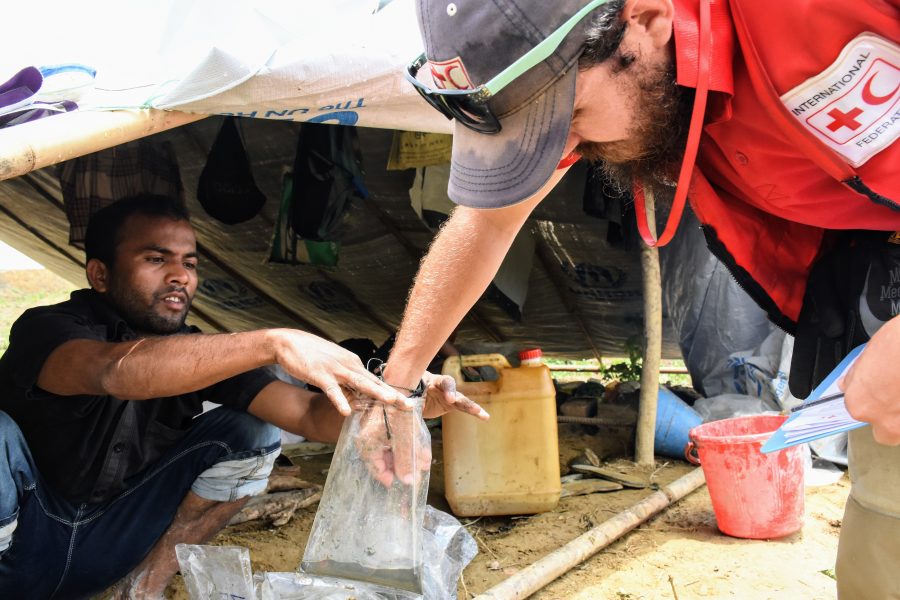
x=873 y=100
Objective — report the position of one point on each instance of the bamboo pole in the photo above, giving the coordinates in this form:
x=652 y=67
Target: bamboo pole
x=55 y=139
x=599 y=368
x=540 y=573
x=597 y=421
x=646 y=425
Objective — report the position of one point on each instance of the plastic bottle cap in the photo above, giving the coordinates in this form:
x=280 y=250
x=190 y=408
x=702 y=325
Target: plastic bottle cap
x=531 y=356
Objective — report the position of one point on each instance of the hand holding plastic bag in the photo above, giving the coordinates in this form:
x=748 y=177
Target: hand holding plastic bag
x=380 y=438
x=369 y=523
x=392 y=444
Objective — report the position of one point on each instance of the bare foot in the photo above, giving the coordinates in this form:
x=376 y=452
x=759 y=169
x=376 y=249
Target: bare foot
x=137 y=587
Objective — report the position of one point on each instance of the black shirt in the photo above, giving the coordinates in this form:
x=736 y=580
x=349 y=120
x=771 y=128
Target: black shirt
x=89 y=448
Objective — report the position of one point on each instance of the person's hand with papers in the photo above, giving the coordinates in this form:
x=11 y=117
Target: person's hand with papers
x=872 y=385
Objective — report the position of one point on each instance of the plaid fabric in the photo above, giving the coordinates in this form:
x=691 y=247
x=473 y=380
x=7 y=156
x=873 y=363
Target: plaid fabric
x=96 y=180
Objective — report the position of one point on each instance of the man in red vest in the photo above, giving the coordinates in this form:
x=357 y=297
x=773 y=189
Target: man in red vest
x=778 y=120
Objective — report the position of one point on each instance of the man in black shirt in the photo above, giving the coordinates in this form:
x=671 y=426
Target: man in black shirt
x=106 y=461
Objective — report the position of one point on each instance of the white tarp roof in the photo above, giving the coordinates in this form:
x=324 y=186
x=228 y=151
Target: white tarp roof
x=276 y=59
x=296 y=61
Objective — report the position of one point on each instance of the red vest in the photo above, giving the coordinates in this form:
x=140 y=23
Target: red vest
x=767 y=188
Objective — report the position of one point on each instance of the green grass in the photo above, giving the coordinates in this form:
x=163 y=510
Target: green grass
x=613 y=368
x=20 y=290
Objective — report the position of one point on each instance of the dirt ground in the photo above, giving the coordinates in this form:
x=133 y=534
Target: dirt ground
x=679 y=554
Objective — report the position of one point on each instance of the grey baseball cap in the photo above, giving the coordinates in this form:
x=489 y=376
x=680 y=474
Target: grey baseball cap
x=467 y=42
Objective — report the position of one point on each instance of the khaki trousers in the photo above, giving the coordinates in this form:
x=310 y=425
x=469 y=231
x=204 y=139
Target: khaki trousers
x=868 y=561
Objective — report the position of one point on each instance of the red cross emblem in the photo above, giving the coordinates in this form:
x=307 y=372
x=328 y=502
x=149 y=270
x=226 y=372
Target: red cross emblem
x=862 y=106
x=844 y=119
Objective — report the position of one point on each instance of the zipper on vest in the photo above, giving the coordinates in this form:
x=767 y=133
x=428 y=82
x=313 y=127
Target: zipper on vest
x=856 y=184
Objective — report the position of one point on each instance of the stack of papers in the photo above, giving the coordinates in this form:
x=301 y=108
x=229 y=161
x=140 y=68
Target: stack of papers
x=823 y=414
x=827 y=417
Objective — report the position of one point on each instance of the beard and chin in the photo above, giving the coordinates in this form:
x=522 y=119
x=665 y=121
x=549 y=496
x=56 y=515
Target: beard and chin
x=142 y=317
x=655 y=146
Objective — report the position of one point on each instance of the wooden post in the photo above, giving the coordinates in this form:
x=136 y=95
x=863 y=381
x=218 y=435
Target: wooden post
x=646 y=425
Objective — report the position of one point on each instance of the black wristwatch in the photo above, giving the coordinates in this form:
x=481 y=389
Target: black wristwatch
x=376 y=367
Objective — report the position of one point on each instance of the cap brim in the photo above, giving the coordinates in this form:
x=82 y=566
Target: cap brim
x=496 y=170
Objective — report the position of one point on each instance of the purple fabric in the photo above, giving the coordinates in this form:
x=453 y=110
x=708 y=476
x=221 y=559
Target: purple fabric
x=32 y=112
x=17 y=91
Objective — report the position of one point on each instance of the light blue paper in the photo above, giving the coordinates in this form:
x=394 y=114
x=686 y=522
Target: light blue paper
x=778 y=441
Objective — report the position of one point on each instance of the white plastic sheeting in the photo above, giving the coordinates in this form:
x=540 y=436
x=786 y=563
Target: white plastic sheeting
x=339 y=62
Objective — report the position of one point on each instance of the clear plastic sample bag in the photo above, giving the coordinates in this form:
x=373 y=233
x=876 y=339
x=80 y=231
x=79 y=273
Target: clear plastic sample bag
x=369 y=523
x=215 y=572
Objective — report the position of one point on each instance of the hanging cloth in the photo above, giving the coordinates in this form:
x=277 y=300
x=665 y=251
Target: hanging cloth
x=96 y=180
x=226 y=190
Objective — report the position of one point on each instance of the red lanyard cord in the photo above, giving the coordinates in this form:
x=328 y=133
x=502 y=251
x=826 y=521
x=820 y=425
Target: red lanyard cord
x=693 y=142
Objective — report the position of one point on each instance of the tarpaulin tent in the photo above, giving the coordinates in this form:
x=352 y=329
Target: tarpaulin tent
x=344 y=65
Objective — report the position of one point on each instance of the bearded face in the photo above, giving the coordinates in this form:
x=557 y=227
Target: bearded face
x=654 y=147
x=159 y=311
x=154 y=276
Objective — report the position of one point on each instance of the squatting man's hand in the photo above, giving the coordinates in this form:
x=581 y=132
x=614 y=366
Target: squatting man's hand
x=395 y=444
x=872 y=385
x=333 y=369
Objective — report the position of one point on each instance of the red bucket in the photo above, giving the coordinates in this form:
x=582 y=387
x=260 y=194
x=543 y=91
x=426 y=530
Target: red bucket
x=754 y=495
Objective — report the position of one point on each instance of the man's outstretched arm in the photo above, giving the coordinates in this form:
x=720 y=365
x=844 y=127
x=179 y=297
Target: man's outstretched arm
x=298 y=410
x=158 y=367
x=459 y=266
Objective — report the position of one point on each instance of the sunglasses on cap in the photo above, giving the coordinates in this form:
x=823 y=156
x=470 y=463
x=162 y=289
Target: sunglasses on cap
x=470 y=107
